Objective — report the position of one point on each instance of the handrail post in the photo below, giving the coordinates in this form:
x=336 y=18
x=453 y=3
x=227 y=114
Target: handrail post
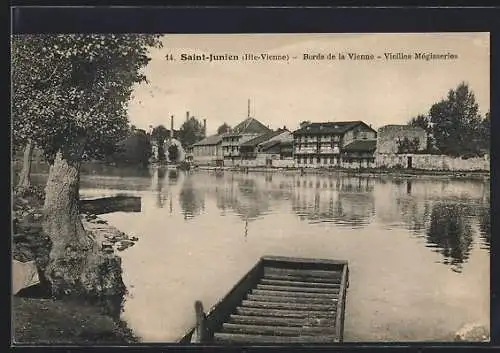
x=199 y=334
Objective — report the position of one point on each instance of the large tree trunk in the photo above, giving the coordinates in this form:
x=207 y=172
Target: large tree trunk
x=24 y=177
x=76 y=266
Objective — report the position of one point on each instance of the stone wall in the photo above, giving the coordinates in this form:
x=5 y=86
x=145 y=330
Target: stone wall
x=261 y=161
x=388 y=136
x=431 y=162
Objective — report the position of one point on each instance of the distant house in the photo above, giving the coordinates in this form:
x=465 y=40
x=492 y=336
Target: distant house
x=324 y=144
x=359 y=153
x=401 y=139
x=266 y=148
x=246 y=130
x=208 y=151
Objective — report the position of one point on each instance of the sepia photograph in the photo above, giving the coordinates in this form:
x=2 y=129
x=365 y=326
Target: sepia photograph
x=250 y=189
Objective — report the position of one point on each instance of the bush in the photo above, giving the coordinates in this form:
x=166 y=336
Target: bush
x=184 y=166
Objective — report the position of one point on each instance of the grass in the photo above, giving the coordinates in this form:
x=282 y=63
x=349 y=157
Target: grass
x=48 y=321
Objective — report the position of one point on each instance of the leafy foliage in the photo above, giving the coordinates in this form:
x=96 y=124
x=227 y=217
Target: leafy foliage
x=159 y=134
x=135 y=149
x=173 y=153
x=456 y=121
x=454 y=125
x=191 y=132
x=421 y=121
x=70 y=91
x=224 y=128
x=408 y=146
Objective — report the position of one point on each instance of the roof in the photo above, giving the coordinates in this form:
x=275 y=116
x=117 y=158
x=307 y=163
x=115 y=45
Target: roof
x=249 y=126
x=338 y=127
x=262 y=138
x=268 y=144
x=210 y=140
x=401 y=127
x=361 y=146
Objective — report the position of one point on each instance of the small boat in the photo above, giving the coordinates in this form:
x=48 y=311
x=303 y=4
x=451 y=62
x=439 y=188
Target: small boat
x=117 y=203
x=281 y=300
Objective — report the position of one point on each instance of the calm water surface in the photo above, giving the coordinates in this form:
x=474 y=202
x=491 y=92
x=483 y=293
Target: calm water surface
x=418 y=249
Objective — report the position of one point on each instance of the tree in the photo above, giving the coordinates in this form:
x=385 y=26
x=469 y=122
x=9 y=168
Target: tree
x=134 y=149
x=191 y=132
x=455 y=122
x=70 y=95
x=408 y=146
x=424 y=122
x=484 y=132
x=24 y=181
x=224 y=128
x=421 y=121
x=173 y=153
x=159 y=135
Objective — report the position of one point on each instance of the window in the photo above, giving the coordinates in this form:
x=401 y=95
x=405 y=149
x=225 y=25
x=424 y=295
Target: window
x=298 y=160
x=311 y=160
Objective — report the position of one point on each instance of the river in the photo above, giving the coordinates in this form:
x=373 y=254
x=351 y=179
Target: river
x=418 y=248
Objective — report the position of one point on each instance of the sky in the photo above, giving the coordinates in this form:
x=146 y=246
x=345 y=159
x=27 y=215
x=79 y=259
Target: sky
x=284 y=93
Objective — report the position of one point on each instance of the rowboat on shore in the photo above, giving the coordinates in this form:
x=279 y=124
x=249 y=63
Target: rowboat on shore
x=281 y=300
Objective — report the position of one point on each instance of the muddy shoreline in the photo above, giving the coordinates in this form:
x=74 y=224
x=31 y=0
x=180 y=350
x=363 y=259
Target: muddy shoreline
x=403 y=173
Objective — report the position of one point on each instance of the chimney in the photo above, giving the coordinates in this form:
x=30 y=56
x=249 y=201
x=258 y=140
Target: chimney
x=171 y=126
x=205 y=126
x=248 y=112
x=187 y=115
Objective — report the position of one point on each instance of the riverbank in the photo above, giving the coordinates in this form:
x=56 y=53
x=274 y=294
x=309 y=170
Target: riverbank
x=39 y=319
x=48 y=321
x=372 y=172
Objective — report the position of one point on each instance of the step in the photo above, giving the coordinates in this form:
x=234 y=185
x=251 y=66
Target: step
x=232 y=338
x=302 y=272
x=277 y=305
x=288 y=299
x=284 y=313
x=281 y=321
x=279 y=282
x=310 y=279
x=278 y=293
x=298 y=289
x=277 y=330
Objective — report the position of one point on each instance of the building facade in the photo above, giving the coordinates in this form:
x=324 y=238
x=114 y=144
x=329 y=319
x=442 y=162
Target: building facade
x=246 y=130
x=274 y=149
x=323 y=144
x=208 y=151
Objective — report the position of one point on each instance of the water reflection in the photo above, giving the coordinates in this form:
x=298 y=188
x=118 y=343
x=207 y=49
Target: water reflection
x=450 y=232
x=344 y=200
x=445 y=214
x=485 y=225
x=191 y=198
x=173 y=176
x=157 y=186
x=440 y=225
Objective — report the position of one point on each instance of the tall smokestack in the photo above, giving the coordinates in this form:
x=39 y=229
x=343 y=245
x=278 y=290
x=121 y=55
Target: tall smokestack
x=187 y=115
x=248 y=112
x=171 y=126
x=205 y=126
